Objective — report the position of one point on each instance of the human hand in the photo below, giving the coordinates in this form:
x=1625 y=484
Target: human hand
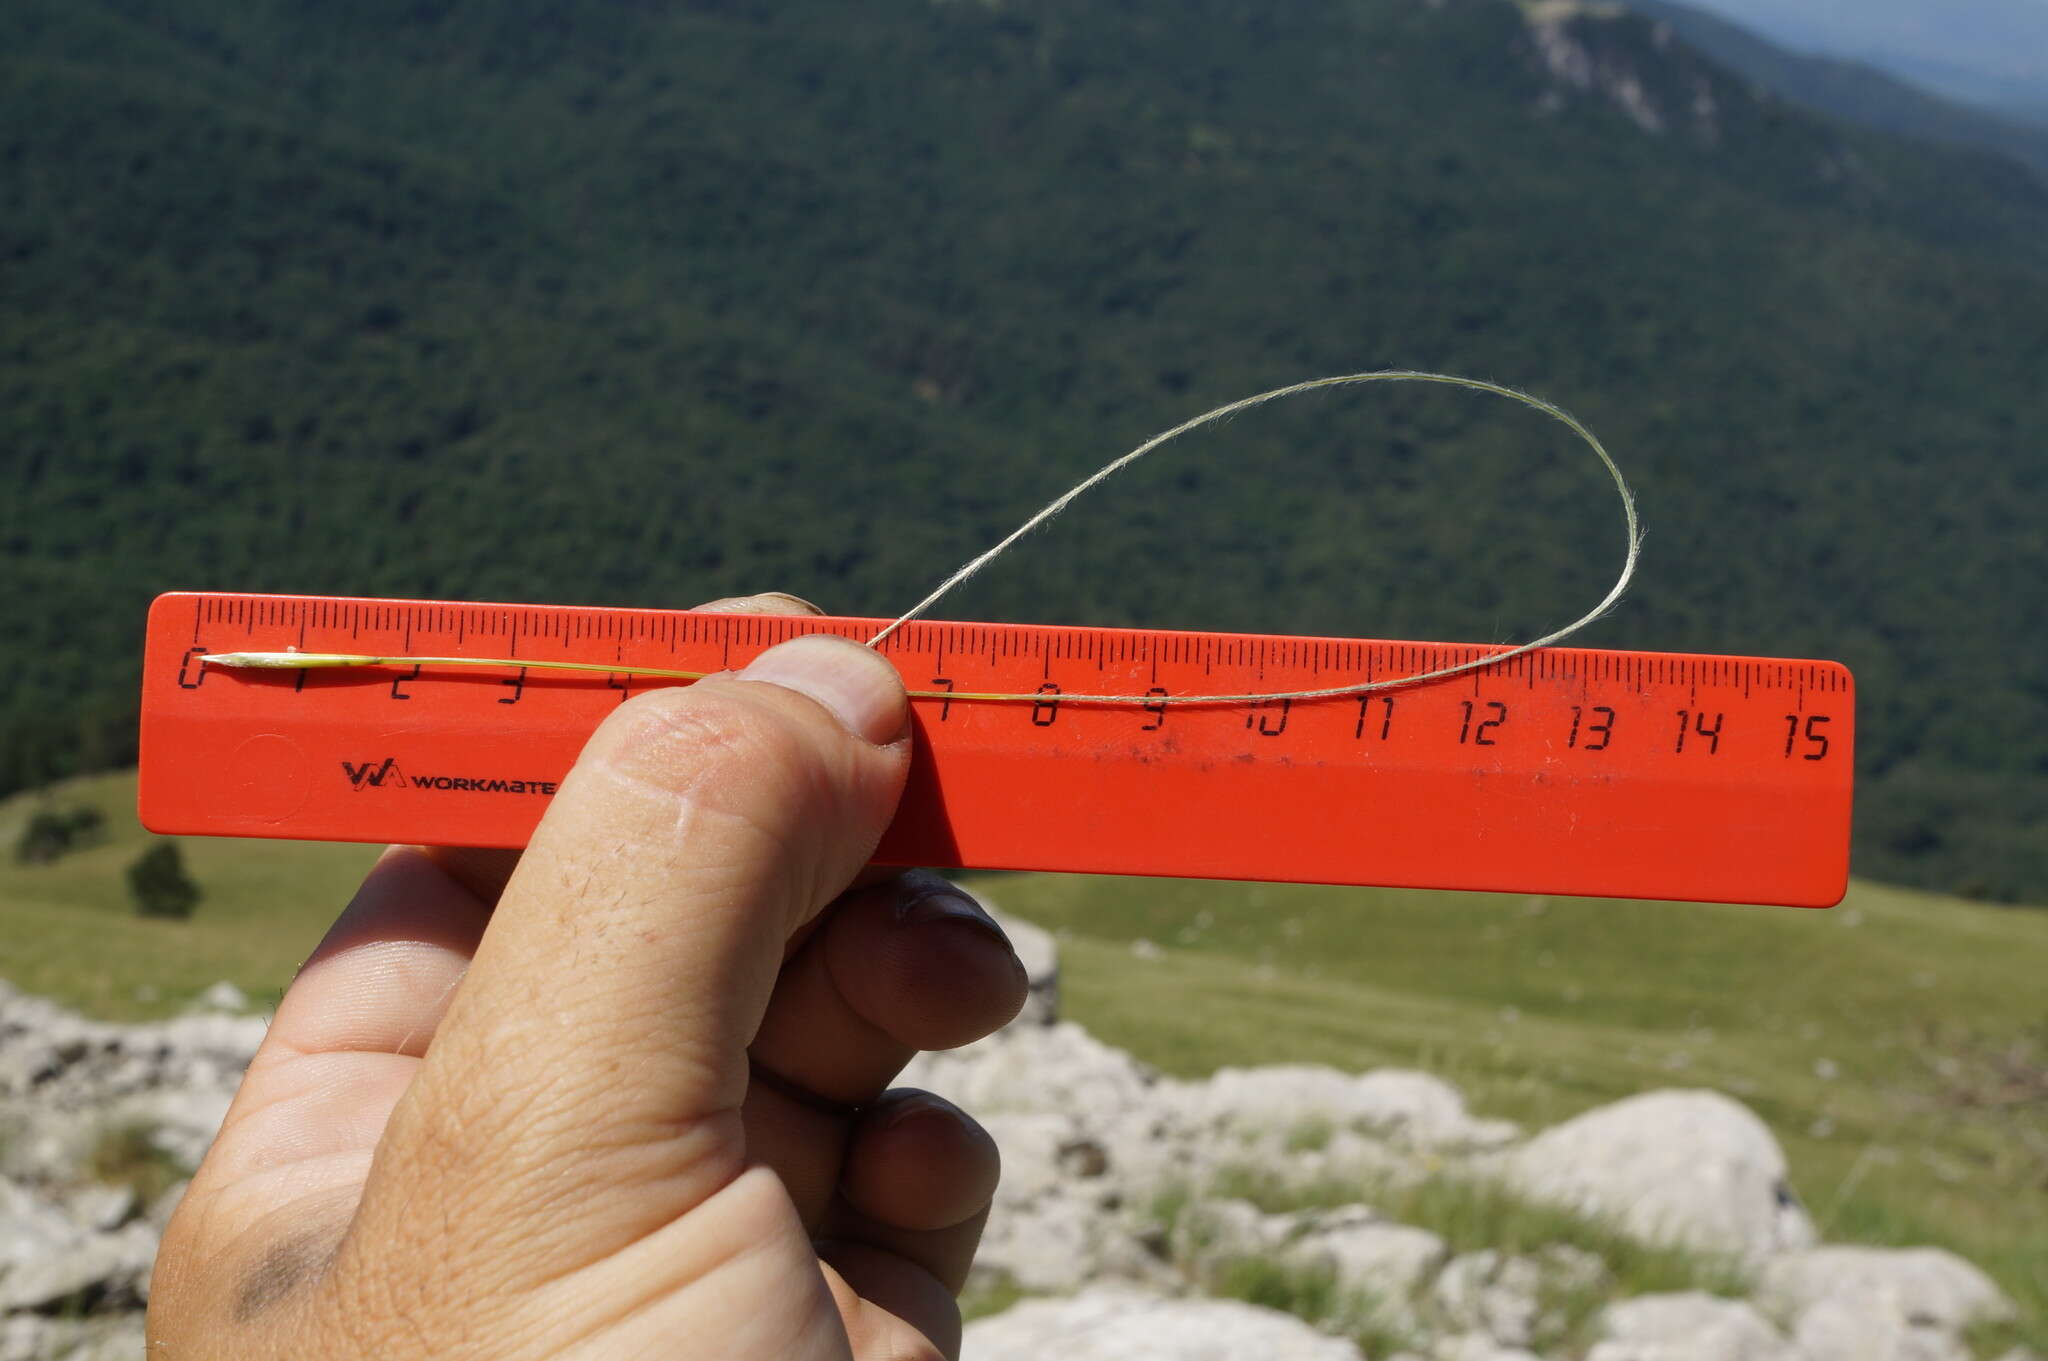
x=505 y=1110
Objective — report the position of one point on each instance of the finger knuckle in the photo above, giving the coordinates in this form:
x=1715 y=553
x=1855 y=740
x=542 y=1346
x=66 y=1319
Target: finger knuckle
x=699 y=741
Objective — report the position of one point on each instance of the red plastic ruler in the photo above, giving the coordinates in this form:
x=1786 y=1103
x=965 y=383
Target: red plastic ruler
x=1568 y=770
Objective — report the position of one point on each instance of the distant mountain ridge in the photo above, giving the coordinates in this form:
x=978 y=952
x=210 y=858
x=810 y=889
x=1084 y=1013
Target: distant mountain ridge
x=1850 y=90
x=1991 y=54
x=648 y=303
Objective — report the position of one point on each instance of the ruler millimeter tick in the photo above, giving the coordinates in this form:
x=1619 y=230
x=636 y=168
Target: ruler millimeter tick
x=1567 y=770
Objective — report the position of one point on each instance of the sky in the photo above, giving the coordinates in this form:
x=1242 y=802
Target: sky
x=1993 y=51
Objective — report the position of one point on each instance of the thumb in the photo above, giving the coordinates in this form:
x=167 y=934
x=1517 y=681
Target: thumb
x=585 y=1086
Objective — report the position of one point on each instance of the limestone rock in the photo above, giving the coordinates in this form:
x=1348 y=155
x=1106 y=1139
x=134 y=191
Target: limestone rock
x=1030 y=1144
x=1215 y=1231
x=182 y=1120
x=1490 y=1293
x=1116 y=1325
x=72 y=1079
x=31 y=1230
x=99 y=1272
x=1690 y=1167
x=223 y=997
x=1478 y=1347
x=1692 y=1326
x=30 y=1337
x=120 y=1339
x=40 y=1146
x=1839 y=1328
x=1925 y=1287
x=1423 y=1111
x=101 y=1207
x=1388 y=1262
x=1351 y=1156
x=1412 y=1109
x=22 y=1338
x=1881 y=1304
x=1052 y=1229
x=1060 y=1068
x=1063 y=1243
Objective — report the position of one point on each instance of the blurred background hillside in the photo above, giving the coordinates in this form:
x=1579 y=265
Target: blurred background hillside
x=642 y=303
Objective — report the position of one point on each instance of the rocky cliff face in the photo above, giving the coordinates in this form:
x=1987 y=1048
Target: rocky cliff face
x=1661 y=89
x=1139 y=1217
x=97 y=1122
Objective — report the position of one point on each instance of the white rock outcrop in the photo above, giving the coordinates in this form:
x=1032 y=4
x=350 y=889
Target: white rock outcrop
x=1688 y=1167
x=1373 y=1257
x=1880 y=1304
x=1688 y=1326
x=1409 y=1109
x=1927 y=1287
x=29 y=1337
x=65 y=1079
x=1057 y=1068
x=1478 y=1347
x=1121 y=1325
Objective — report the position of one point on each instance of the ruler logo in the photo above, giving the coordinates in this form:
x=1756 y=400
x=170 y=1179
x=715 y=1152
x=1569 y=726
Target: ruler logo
x=385 y=774
x=375 y=775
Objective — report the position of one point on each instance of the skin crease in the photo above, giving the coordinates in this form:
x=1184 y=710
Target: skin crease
x=623 y=1095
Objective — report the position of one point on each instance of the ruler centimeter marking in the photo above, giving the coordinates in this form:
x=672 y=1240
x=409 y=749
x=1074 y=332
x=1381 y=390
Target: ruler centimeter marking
x=1570 y=770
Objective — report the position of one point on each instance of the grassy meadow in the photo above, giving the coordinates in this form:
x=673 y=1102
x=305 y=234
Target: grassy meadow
x=1897 y=1044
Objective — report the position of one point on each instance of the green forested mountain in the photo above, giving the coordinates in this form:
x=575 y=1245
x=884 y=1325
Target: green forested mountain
x=643 y=301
